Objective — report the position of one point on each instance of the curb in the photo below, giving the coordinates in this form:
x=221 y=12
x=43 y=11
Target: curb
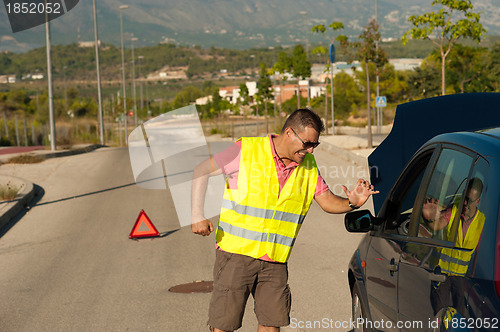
x=71 y=152
x=45 y=154
x=9 y=209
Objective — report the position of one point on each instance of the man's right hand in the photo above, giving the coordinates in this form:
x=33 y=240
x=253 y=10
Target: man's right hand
x=203 y=227
x=430 y=209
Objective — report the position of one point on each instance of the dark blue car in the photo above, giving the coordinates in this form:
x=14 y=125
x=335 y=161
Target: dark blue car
x=431 y=256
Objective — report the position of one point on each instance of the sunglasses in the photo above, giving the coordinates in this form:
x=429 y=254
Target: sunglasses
x=468 y=200
x=306 y=145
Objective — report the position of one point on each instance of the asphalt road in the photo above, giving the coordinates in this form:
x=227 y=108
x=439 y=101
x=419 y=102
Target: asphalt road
x=68 y=264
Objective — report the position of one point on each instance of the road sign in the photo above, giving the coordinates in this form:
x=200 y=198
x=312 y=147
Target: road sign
x=381 y=101
x=130 y=113
x=332 y=53
x=143 y=222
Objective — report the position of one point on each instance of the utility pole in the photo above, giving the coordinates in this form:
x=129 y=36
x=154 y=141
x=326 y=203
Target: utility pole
x=379 y=109
x=333 y=115
x=123 y=75
x=133 y=80
x=140 y=57
x=52 y=121
x=99 y=94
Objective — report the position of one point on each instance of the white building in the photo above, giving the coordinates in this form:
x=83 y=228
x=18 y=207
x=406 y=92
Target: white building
x=318 y=73
x=203 y=100
x=405 y=64
x=7 y=79
x=252 y=91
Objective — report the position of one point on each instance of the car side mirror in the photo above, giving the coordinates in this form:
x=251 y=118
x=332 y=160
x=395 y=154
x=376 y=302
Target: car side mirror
x=360 y=221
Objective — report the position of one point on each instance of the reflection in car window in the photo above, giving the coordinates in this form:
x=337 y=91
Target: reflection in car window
x=464 y=229
x=445 y=190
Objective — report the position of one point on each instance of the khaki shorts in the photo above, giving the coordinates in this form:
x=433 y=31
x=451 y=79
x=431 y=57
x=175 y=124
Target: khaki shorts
x=238 y=276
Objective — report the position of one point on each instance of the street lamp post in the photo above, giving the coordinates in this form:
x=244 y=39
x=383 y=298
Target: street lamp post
x=52 y=121
x=123 y=74
x=140 y=57
x=133 y=39
x=99 y=94
x=253 y=63
x=65 y=90
x=379 y=109
x=332 y=63
x=333 y=115
x=304 y=13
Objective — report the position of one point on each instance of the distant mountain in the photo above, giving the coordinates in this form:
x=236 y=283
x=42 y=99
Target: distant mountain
x=227 y=23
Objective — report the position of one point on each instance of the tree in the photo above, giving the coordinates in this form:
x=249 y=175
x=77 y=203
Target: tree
x=348 y=96
x=366 y=51
x=186 y=97
x=301 y=67
x=423 y=81
x=393 y=83
x=494 y=66
x=297 y=65
x=282 y=66
x=320 y=28
x=244 y=98
x=216 y=100
x=467 y=69
x=444 y=29
x=264 y=89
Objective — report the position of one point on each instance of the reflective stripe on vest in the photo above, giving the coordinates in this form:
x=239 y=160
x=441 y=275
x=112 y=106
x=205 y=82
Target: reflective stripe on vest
x=263 y=213
x=256 y=220
x=256 y=236
x=456 y=261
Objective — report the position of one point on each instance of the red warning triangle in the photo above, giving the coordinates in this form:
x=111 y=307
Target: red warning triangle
x=143 y=227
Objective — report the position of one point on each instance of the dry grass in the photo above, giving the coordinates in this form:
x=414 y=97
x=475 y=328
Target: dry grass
x=8 y=192
x=25 y=159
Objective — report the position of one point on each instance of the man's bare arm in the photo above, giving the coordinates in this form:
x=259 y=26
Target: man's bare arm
x=199 y=224
x=332 y=203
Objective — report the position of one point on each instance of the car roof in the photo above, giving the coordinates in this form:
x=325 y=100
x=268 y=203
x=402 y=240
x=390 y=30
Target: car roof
x=485 y=142
x=493 y=132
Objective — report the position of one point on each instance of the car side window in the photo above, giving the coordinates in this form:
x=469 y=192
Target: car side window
x=403 y=198
x=443 y=195
x=453 y=212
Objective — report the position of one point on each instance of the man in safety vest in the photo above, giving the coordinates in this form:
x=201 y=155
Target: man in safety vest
x=270 y=184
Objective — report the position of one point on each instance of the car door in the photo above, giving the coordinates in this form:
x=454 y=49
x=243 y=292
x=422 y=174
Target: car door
x=383 y=255
x=422 y=276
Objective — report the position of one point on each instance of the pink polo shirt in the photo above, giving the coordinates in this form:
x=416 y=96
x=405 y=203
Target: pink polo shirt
x=229 y=162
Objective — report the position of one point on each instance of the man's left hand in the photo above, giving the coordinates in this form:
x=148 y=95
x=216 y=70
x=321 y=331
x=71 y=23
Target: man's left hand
x=361 y=192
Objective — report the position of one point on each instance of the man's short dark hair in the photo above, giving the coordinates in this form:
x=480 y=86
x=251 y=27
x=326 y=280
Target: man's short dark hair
x=476 y=184
x=302 y=118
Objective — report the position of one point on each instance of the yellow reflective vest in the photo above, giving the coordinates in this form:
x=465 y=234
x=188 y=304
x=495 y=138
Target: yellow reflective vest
x=255 y=218
x=456 y=261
